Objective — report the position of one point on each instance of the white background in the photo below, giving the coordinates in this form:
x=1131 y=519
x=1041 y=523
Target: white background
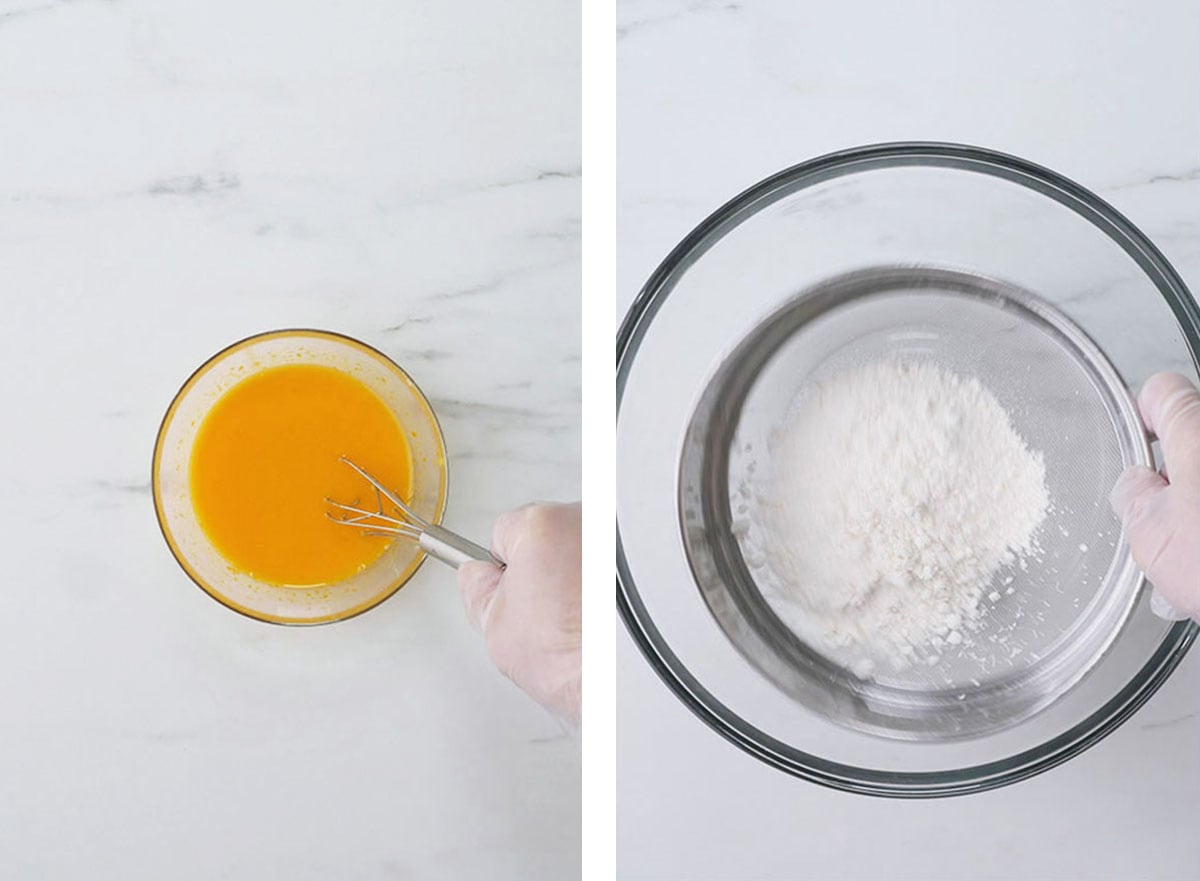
x=713 y=96
x=177 y=175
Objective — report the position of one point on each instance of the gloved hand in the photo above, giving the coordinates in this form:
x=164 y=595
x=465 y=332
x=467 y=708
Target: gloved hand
x=1161 y=512
x=530 y=613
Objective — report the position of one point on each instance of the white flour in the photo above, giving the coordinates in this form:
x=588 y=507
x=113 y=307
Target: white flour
x=896 y=493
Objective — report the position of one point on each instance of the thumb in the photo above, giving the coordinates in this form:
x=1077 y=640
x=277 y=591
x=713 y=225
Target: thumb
x=1130 y=499
x=1170 y=407
x=477 y=582
x=1133 y=489
x=1161 y=606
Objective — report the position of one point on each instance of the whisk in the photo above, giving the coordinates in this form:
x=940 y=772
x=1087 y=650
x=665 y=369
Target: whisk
x=440 y=543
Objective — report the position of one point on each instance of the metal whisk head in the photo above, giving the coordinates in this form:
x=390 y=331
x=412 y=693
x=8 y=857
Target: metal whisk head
x=378 y=522
x=437 y=541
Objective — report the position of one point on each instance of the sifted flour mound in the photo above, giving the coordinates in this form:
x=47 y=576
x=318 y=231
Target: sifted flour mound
x=896 y=493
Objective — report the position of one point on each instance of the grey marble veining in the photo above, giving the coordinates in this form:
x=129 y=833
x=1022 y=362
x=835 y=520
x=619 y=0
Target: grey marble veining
x=174 y=177
x=714 y=96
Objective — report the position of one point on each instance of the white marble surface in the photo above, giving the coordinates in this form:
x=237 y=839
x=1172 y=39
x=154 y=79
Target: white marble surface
x=713 y=96
x=175 y=176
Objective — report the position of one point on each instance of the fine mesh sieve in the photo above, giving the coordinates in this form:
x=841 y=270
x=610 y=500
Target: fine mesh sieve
x=1055 y=617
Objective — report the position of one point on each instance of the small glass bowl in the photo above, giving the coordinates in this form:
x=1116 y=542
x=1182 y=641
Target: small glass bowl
x=950 y=206
x=172 y=460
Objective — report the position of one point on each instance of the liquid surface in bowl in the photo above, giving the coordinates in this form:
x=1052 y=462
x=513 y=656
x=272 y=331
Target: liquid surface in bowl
x=266 y=457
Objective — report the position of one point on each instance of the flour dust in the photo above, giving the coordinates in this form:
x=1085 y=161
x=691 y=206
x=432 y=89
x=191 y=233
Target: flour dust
x=894 y=495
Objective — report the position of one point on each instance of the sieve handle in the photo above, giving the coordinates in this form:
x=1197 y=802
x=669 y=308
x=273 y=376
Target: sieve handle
x=454 y=550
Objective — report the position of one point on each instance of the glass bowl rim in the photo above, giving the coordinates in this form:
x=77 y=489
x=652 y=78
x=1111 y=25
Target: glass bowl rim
x=156 y=462
x=871 y=781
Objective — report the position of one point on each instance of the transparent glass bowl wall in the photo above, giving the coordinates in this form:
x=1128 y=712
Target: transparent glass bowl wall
x=914 y=204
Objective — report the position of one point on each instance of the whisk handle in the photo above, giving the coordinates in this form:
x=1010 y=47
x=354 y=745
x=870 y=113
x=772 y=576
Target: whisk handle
x=452 y=549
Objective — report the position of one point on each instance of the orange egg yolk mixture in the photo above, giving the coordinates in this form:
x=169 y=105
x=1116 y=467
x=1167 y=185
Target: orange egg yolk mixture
x=266 y=457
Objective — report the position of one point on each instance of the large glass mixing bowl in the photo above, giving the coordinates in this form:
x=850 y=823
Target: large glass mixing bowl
x=970 y=214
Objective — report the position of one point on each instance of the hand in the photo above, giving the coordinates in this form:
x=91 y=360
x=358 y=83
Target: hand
x=1161 y=512
x=530 y=612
